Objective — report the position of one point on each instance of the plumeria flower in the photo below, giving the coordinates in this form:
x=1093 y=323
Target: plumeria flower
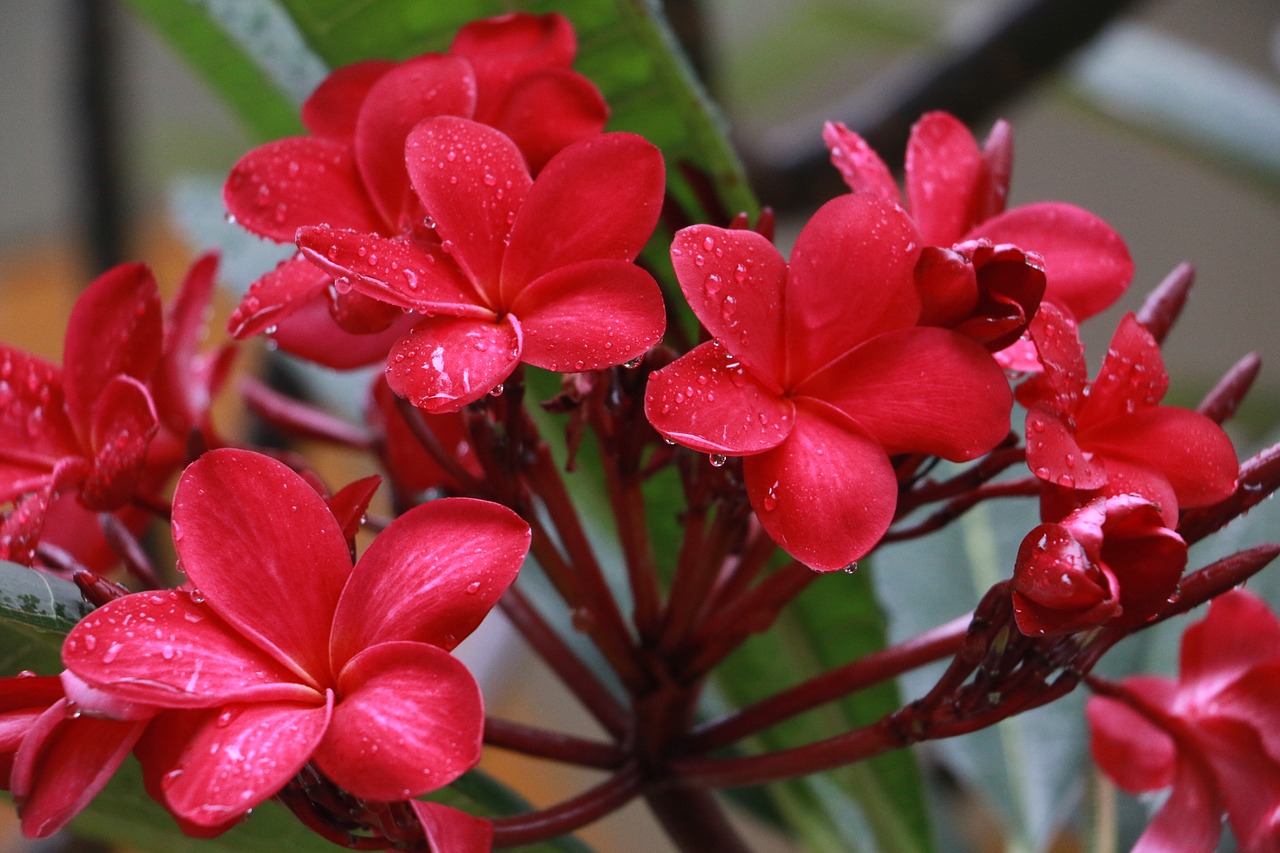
x=1213 y=735
x=817 y=374
x=283 y=652
x=535 y=271
x=1113 y=437
x=956 y=192
x=512 y=72
x=1110 y=562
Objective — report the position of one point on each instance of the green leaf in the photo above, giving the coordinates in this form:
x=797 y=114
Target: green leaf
x=36 y=612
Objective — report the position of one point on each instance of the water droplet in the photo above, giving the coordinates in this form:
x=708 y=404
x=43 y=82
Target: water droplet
x=112 y=652
x=851 y=568
x=496 y=390
x=197 y=597
x=473 y=587
x=718 y=460
x=632 y=364
x=90 y=642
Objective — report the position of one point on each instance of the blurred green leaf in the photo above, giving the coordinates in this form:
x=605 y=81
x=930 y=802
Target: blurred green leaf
x=36 y=611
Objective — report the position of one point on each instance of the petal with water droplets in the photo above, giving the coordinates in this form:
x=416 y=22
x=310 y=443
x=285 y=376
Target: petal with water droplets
x=446 y=362
x=860 y=166
x=124 y=422
x=1132 y=375
x=945 y=174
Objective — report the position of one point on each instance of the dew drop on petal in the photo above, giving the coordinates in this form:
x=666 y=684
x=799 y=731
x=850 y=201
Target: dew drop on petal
x=197 y=597
x=718 y=460
x=473 y=587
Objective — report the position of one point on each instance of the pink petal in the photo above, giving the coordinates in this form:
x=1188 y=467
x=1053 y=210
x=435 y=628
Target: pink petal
x=115 y=327
x=1132 y=375
x=64 y=763
x=301 y=180
x=827 y=493
x=293 y=284
x=124 y=422
x=416 y=89
x=1133 y=752
x=708 y=401
x=1239 y=633
x=1055 y=456
x=1191 y=819
x=1189 y=450
x=238 y=756
x=734 y=281
x=34 y=430
x=410 y=721
x=311 y=333
x=860 y=166
x=251 y=534
x=412 y=275
x=163 y=649
x=504 y=48
x=920 y=390
x=945 y=171
x=851 y=278
x=430 y=577
x=471 y=179
x=446 y=362
x=449 y=829
x=547 y=111
x=332 y=108
x=598 y=199
x=590 y=315
x=1086 y=263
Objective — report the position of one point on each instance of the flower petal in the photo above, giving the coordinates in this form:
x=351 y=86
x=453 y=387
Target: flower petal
x=945 y=177
x=1132 y=375
x=547 y=111
x=410 y=721
x=237 y=756
x=416 y=89
x=430 y=577
x=124 y=422
x=860 y=166
x=293 y=284
x=851 y=278
x=504 y=48
x=450 y=829
x=1239 y=633
x=301 y=180
x=597 y=199
x=313 y=334
x=708 y=401
x=1061 y=355
x=183 y=382
x=1055 y=456
x=331 y=110
x=252 y=536
x=1086 y=263
x=1133 y=752
x=446 y=362
x=920 y=390
x=589 y=315
x=64 y=762
x=1248 y=779
x=1190 y=819
x=472 y=179
x=34 y=430
x=735 y=280
x=163 y=649
x=827 y=493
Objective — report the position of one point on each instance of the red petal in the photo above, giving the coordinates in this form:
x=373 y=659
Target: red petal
x=1055 y=456
x=589 y=315
x=1134 y=753
x=115 y=327
x=997 y=156
x=293 y=284
x=64 y=763
x=332 y=108
x=1056 y=587
x=417 y=89
x=1191 y=819
x=851 y=278
x=351 y=502
x=1086 y=263
x=410 y=721
x=827 y=493
x=547 y=111
x=182 y=382
x=34 y=430
x=1248 y=780
x=920 y=390
x=430 y=577
x=251 y=534
x=163 y=649
x=735 y=280
x=398 y=272
x=503 y=48
x=1062 y=356
x=301 y=180
x=446 y=362
x=708 y=401
x=472 y=179
x=1239 y=633
x=597 y=199
x=945 y=172
x=360 y=314
x=313 y=334
x=1132 y=375
x=239 y=755
x=124 y=422
x=948 y=287
x=449 y=829
x=861 y=168
x=1251 y=699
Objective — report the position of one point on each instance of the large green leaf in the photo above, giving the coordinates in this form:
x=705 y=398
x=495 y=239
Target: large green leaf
x=36 y=611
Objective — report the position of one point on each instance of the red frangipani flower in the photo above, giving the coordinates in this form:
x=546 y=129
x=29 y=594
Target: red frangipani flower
x=1113 y=437
x=283 y=653
x=535 y=271
x=818 y=374
x=1213 y=735
x=1109 y=562
x=512 y=72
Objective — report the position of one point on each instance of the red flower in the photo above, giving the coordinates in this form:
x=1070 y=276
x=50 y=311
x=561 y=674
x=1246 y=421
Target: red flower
x=956 y=193
x=817 y=374
x=1111 y=562
x=1113 y=437
x=512 y=72
x=1214 y=734
x=533 y=271
x=284 y=654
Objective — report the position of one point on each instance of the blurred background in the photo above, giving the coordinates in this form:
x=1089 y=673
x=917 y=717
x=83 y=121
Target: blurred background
x=1163 y=117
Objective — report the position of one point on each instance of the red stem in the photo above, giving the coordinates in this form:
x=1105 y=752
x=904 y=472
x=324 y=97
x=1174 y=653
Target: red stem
x=589 y=806
x=556 y=746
